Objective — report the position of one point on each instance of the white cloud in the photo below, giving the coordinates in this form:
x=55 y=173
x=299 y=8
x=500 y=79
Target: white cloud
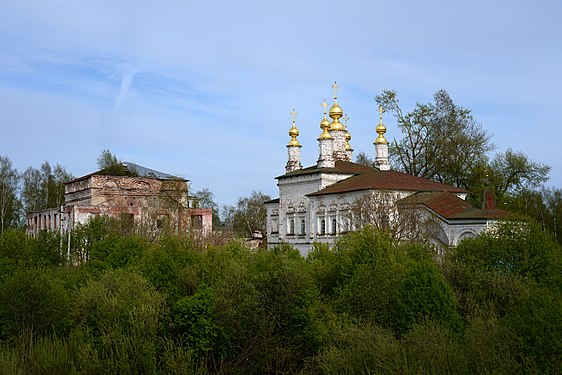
x=199 y=86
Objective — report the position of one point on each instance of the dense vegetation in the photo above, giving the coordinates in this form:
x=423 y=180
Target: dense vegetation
x=365 y=305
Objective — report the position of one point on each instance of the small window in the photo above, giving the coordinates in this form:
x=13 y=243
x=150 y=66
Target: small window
x=161 y=221
x=323 y=227
x=291 y=226
x=127 y=221
x=197 y=222
x=334 y=226
x=303 y=227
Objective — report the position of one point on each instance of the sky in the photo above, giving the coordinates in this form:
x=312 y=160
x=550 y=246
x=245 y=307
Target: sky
x=204 y=89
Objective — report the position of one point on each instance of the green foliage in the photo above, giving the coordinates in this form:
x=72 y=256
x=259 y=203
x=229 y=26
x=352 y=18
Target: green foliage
x=110 y=165
x=193 y=323
x=120 y=316
x=538 y=324
x=44 y=187
x=117 y=252
x=490 y=347
x=513 y=248
x=17 y=250
x=366 y=305
x=544 y=206
x=441 y=140
x=359 y=349
x=431 y=347
x=10 y=204
x=32 y=302
x=424 y=294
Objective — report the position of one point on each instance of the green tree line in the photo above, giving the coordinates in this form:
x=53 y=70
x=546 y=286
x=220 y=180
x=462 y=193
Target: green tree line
x=32 y=190
x=364 y=305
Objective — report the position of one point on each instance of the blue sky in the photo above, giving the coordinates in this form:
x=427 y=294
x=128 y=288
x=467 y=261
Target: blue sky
x=204 y=89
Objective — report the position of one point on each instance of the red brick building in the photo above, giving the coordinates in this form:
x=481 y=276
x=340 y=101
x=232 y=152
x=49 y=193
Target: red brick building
x=148 y=199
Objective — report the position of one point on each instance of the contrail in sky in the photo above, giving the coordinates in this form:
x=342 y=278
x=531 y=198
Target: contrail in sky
x=125 y=84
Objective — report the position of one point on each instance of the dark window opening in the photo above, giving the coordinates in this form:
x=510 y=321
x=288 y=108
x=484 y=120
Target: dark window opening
x=161 y=221
x=197 y=222
x=292 y=226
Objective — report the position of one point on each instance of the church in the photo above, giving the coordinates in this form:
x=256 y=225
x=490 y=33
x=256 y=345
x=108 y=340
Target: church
x=320 y=203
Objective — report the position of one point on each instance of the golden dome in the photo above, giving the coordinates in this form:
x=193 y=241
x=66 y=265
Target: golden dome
x=325 y=125
x=380 y=129
x=337 y=125
x=293 y=132
x=336 y=111
x=325 y=134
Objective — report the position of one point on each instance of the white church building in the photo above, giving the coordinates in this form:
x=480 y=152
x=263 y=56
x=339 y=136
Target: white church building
x=324 y=201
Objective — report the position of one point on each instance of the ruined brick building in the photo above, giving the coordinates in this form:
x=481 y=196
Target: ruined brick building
x=148 y=199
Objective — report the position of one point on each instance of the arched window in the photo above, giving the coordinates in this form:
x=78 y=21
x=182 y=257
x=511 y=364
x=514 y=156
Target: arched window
x=292 y=226
x=303 y=227
x=334 y=226
x=323 y=227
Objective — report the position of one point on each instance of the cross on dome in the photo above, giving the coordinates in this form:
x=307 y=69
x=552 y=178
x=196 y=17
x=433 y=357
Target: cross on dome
x=325 y=105
x=293 y=114
x=335 y=87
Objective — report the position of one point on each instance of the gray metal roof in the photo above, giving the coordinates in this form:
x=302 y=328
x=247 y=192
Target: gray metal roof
x=141 y=171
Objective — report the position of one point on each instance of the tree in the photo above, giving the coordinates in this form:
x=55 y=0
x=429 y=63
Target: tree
x=32 y=199
x=107 y=159
x=363 y=159
x=44 y=188
x=544 y=206
x=206 y=199
x=512 y=172
x=381 y=210
x=441 y=140
x=9 y=202
x=109 y=164
x=553 y=202
x=248 y=215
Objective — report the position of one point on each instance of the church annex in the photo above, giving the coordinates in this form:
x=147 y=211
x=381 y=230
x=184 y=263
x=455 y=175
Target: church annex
x=321 y=202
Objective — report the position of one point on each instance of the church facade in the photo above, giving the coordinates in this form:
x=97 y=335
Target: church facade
x=324 y=201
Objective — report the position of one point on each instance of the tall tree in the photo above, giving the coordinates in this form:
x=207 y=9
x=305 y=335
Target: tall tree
x=31 y=190
x=248 y=215
x=44 y=187
x=512 y=172
x=441 y=140
x=9 y=202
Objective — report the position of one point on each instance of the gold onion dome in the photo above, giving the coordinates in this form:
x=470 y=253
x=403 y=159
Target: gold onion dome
x=336 y=112
x=380 y=129
x=294 y=132
x=325 y=124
